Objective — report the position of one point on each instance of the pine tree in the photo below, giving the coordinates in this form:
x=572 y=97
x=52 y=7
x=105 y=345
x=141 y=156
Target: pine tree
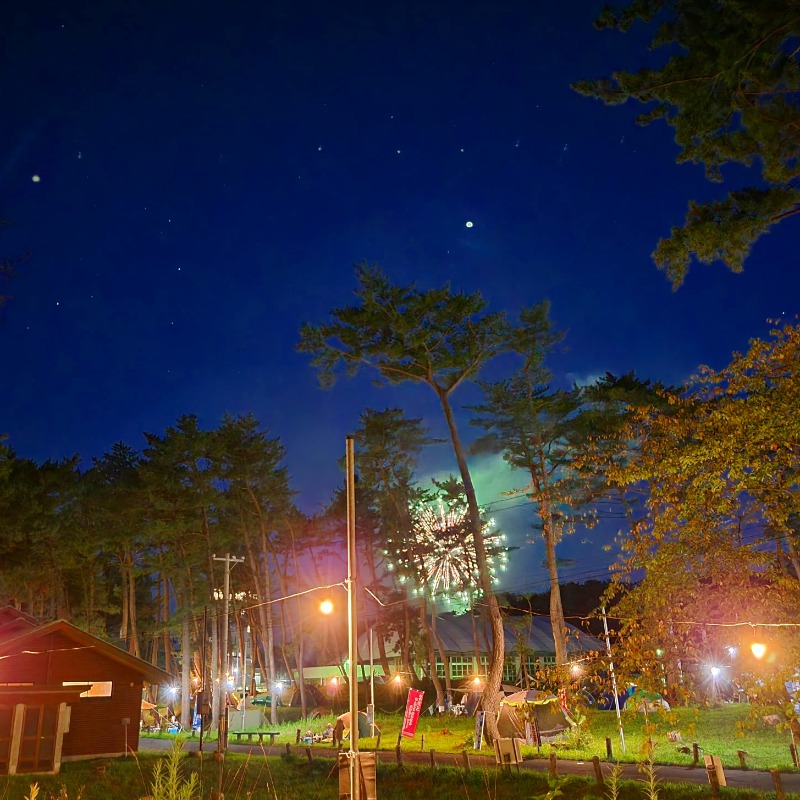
x=438 y=339
x=730 y=88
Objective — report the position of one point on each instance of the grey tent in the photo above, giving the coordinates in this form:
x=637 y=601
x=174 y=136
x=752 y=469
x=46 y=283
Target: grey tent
x=543 y=710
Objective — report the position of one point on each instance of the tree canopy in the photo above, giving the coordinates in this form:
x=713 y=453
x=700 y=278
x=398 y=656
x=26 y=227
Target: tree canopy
x=730 y=89
x=718 y=545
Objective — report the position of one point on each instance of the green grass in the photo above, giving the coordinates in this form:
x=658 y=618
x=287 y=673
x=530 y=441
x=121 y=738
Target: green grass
x=718 y=731
x=294 y=778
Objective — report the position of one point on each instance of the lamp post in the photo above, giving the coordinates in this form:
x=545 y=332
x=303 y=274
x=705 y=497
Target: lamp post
x=245 y=631
x=352 y=628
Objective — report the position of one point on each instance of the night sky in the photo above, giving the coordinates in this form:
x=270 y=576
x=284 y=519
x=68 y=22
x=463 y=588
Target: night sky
x=195 y=180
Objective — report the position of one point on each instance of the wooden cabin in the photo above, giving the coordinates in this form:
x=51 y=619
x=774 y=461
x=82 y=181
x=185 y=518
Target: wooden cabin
x=65 y=695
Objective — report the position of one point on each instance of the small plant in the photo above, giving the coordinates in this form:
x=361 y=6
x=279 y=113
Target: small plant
x=651 y=782
x=614 y=777
x=555 y=790
x=168 y=780
x=63 y=793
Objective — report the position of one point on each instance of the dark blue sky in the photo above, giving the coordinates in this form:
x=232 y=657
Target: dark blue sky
x=208 y=174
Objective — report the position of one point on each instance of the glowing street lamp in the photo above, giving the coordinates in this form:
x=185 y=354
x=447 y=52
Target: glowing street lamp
x=758 y=649
x=326 y=606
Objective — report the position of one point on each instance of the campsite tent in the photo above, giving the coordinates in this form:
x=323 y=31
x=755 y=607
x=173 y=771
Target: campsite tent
x=542 y=709
x=342 y=727
x=643 y=701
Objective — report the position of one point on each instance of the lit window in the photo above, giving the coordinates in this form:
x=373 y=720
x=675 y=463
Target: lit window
x=96 y=688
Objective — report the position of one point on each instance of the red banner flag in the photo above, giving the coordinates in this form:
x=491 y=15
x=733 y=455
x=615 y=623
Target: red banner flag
x=413 y=708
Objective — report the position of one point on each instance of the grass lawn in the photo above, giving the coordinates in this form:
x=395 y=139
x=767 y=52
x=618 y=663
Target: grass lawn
x=720 y=731
x=294 y=778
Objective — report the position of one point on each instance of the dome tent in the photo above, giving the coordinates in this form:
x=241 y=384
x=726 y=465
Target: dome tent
x=542 y=709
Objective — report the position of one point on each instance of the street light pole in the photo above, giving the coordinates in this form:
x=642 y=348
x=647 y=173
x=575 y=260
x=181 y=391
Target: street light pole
x=352 y=628
x=245 y=631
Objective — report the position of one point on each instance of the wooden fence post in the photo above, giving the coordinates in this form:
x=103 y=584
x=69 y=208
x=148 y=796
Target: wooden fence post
x=609 y=751
x=598 y=770
x=465 y=759
x=553 y=764
x=297 y=737
x=742 y=761
x=711 y=770
x=433 y=758
x=793 y=751
x=398 y=754
x=695 y=754
x=776 y=779
x=308 y=755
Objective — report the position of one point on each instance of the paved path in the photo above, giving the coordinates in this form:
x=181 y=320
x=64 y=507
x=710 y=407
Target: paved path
x=736 y=778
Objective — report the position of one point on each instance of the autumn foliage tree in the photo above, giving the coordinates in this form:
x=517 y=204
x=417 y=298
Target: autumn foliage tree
x=722 y=467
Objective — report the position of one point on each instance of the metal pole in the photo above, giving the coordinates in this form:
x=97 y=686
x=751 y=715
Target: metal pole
x=245 y=631
x=371 y=684
x=352 y=628
x=613 y=680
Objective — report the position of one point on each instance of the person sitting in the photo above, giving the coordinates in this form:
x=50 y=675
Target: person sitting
x=327 y=734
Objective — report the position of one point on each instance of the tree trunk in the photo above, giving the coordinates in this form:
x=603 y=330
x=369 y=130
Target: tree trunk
x=186 y=659
x=550 y=535
x=382 y=657
x=300 y=658
x=406 y=643
x=437 y=684
x=442 y=653
x=216 y=679
x=793 y=555
x=133 y=645
x=491 y=692
x=265 y=613
x=123 y=625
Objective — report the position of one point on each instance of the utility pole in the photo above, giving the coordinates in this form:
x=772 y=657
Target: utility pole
x=230 y=562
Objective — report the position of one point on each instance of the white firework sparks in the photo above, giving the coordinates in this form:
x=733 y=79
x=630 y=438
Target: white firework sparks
x=446 y=547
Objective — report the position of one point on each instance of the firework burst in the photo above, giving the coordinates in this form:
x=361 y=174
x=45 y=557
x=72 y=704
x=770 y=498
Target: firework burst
x=441 y=552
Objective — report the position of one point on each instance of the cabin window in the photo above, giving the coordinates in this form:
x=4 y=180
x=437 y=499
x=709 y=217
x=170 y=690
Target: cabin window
x=96 y=688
